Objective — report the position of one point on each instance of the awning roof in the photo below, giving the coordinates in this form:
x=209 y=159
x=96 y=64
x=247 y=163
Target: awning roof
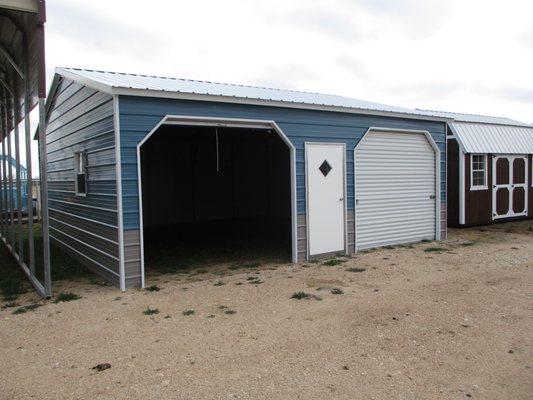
x=495 y=139
x=485 y=134
x=21 y=56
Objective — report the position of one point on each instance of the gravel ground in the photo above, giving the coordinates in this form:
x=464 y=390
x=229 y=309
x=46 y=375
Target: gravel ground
x=440 y=320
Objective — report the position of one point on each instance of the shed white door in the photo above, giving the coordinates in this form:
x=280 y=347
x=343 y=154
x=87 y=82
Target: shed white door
x=509 y=186
x=395 y=189
x=325 y=197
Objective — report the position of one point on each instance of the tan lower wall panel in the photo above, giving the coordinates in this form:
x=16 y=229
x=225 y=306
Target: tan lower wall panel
x=132 y=257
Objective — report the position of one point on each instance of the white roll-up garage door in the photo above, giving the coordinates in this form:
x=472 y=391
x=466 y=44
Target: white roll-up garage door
x=395 y=189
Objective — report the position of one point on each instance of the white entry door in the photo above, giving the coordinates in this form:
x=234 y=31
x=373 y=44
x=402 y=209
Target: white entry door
x=325 y=197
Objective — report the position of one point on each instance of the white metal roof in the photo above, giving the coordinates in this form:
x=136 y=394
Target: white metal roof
x=494 y=138
x=485 y=134
x=145 y=85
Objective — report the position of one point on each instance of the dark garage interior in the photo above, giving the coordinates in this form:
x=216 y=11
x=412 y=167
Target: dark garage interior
x=215 y=194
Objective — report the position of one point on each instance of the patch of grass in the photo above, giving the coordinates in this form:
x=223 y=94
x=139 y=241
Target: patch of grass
x=388 y=247
x=256 y=282
x=434 y=249
x=222 y=307
x=467 y=244
x=238 y=283
x=426 y=241
x=151 y=311
x=117 y=298
x=305 y=296
x=26 y=308
x=66 y=296
x=10 y=305
x=188 y=312
x=13 y=282
x=336 y=291
x=153 y=288
x=219 y=283
x=355 y=269
x=332 y=262
x=230 y=312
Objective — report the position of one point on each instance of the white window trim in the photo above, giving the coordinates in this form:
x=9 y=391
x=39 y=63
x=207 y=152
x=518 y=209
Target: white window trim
x=80 y=156
x=478 y=187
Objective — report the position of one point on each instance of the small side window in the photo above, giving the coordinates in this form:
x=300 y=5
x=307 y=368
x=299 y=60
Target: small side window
x=478 y=168
x=80 y=169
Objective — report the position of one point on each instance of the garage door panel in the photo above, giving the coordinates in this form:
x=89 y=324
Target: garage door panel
x=395 y=189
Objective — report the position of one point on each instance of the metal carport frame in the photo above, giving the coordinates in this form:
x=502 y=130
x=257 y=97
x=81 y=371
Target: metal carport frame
x=22 y=88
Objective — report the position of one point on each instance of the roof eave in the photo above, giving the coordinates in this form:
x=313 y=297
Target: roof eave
x=31 y=6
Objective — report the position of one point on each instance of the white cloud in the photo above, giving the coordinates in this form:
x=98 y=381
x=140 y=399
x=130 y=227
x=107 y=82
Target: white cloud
x=464 y=56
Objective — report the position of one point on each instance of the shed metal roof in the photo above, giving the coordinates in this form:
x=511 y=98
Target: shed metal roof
x=485 y=134
x=494 y=138
x=146 y=85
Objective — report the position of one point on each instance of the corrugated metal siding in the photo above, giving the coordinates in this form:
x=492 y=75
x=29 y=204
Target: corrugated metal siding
x=494 y=139
x=395 y=177
x=81 y=119
x=138 y=116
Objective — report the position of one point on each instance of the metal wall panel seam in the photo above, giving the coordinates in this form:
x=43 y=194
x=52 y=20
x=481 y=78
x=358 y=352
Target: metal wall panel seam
x=84 y=243
x=118 y=169
x=83 y=230
x=84 y=255
x=84 y=218
x=111 y=210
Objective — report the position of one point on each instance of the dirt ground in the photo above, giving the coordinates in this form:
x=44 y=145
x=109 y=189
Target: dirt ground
x=440 y=320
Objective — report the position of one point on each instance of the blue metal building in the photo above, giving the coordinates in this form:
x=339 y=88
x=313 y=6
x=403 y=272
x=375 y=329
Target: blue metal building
x=127 y=153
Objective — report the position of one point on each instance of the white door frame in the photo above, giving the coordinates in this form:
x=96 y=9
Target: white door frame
x=345 y=228
x=510 y=186
x=437 y=172
x=184 y=120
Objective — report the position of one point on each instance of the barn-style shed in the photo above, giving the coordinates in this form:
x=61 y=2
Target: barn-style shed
x=489 y=169
x=131 y=155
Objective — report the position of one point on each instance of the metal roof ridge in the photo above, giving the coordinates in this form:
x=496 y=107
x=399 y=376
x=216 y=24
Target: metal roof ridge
x=210 y=82
x=365 y=105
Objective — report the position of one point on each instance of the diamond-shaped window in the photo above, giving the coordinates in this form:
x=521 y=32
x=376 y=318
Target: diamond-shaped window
x=325 y=168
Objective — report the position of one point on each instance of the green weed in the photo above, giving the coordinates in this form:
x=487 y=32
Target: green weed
x=151 y=311
x=66 y=296
x=355 y=269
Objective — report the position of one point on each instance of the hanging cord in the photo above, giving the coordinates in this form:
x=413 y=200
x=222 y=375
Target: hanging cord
x=218 y=157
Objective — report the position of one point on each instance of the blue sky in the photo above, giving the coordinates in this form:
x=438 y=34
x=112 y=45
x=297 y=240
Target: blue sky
x=456 y=55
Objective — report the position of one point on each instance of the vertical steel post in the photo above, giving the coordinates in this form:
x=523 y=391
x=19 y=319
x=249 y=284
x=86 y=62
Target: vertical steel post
x=1 y=178
x=44 y=197
x=27 y=130
x=10 y=185
x=17 y=180
x=41 y=19
x=4 y=181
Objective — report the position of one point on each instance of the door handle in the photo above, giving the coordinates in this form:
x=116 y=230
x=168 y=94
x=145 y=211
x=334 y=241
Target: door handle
x=341 y=199
x=432 y=197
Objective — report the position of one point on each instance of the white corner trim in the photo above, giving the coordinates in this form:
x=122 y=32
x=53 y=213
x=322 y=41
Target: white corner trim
x=120 y=217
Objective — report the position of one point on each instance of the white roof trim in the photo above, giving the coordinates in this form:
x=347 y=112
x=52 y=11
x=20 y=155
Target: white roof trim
x=151 y=86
